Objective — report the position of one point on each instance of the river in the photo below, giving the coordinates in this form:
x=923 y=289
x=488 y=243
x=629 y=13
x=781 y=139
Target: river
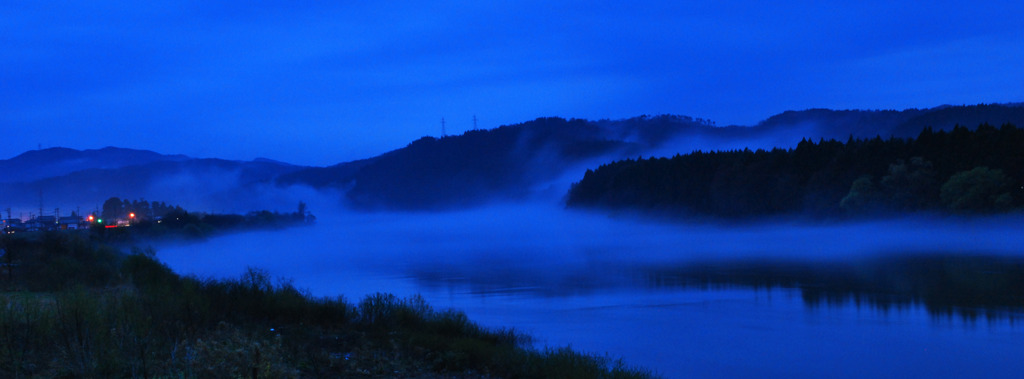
x=682 y=299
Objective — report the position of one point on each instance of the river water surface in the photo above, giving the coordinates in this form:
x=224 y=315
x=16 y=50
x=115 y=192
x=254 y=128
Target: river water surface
x=684 y=300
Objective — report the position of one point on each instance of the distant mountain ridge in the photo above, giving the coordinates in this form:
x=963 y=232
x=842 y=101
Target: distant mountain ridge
x=840 y=124
x=480 y=165
x=508 y=162
x=62 y=176
x=45 y=163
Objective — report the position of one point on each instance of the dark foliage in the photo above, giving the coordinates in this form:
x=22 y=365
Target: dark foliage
x=91 y=311
x=115 y=208
x=957 y=171
x=143 y=220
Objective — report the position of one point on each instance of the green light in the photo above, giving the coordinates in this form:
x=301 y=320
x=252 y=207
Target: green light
x=100 y=221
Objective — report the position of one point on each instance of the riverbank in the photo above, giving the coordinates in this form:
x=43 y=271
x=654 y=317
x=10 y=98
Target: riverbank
x=137 y=318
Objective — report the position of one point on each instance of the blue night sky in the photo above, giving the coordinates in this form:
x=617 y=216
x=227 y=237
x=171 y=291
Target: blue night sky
x=309 y=83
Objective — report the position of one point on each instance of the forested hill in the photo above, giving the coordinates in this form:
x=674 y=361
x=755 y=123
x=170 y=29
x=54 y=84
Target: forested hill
x=479 y=165
x=961 y=170
x=517 y=160
x=841 y=124
x=535 y=157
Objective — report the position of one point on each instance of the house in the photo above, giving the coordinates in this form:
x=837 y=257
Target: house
x=70 y=223
x=41 y=223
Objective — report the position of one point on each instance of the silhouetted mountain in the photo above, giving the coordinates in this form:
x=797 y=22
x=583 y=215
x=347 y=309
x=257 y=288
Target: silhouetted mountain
x=947 y=117
x=513 y=161
x=483 y=164
x=838 y=124
x=101 y=174
x=57 y=161
x=841 y=124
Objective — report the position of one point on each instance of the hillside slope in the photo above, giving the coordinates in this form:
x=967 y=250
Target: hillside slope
x=479 y=165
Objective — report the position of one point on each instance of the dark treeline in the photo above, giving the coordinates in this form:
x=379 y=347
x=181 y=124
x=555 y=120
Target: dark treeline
x=115 y=208
x=960 y=171
x=71 y=307
x=159 y=220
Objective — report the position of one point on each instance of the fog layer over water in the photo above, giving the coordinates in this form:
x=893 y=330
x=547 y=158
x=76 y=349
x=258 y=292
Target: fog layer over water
x=547 y=241
x=568 y=277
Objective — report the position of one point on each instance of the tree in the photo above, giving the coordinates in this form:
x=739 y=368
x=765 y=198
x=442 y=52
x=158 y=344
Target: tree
x=910 y=186
x=113 y=208
x=863 y=196
x=981 y=189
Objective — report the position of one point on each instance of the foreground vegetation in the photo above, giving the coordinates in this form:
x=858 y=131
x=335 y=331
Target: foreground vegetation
x=961 y=171
x=75 y=309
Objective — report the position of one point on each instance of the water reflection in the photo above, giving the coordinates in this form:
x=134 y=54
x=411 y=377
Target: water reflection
x=970 y=286
x=688 y=301
x=689 y=326
x=965 y=285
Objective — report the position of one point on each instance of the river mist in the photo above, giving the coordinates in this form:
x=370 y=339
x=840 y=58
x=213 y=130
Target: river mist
x=693 y=299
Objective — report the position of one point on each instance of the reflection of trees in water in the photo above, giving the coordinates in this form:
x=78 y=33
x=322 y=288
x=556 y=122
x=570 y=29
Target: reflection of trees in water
x=969 y=286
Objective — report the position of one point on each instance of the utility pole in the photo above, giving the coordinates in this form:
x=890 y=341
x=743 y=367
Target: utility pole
x=444 y=133
x=474 y=122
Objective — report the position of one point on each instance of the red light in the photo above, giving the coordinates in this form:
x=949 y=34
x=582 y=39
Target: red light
x=111 y=226
x=131 y=215
x=91 y=218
